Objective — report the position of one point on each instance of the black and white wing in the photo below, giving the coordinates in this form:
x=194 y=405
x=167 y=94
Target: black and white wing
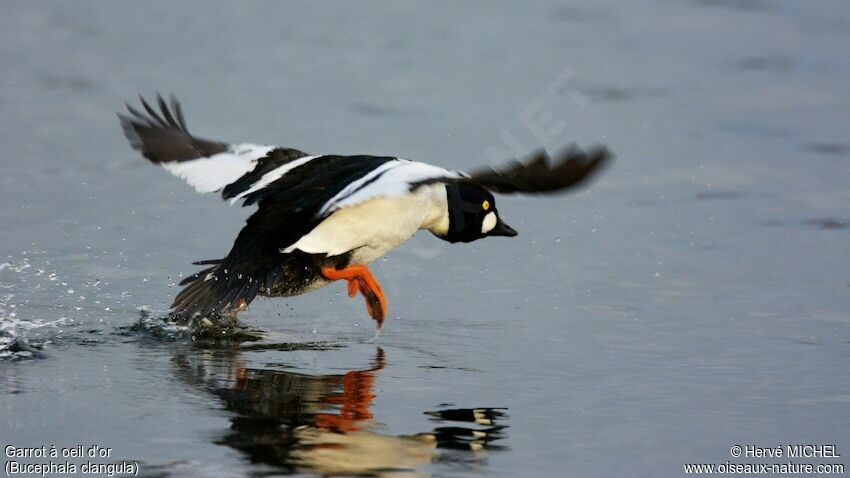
x=208 y=166
x=252 y=172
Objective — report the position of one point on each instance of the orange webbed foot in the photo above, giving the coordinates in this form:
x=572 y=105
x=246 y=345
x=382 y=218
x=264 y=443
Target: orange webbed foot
x=360 y=279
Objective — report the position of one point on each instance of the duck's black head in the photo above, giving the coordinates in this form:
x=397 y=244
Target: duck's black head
x=473 y=214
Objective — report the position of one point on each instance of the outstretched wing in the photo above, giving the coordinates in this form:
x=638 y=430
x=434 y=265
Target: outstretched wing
x=162 y=137
x=543 y=174
x=540 y=174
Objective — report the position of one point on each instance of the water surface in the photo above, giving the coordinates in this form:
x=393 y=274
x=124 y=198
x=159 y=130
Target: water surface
x=693 y=298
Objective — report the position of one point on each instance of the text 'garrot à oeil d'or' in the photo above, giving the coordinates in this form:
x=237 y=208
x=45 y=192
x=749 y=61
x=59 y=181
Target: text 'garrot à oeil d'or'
x=78 y=451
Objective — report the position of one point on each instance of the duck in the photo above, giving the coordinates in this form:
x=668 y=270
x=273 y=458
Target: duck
x=322 y=218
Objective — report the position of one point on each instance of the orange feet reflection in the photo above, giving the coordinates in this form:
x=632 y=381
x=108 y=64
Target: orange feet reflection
x=354 y=400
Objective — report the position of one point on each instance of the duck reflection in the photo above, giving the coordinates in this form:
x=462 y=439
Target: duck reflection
x=323 y=423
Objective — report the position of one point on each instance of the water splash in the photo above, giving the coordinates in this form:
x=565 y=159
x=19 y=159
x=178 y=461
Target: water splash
x=24 y=338
x=171 y=327
x=17 y=339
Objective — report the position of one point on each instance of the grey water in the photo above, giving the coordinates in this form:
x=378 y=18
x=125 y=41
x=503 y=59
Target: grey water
x=695 y=297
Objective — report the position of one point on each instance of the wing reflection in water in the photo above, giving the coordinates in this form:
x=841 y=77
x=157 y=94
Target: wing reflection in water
x=323 y=424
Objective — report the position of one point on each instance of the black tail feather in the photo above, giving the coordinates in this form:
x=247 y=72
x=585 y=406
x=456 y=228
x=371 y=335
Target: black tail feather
x=216 y=291
x=207 y=262
x=197 y=275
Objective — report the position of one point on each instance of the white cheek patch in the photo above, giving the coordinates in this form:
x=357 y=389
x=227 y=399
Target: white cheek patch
x=488 y=223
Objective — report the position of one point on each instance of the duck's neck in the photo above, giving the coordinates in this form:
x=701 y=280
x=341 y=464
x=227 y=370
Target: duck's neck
x=437 y=220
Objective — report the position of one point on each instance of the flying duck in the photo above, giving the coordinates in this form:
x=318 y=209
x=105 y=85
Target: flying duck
x=323 y=218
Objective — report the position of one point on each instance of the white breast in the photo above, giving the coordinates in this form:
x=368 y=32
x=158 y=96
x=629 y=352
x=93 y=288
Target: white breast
x=376 y=226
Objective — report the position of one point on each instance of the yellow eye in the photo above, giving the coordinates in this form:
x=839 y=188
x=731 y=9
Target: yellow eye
x=485 y=205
